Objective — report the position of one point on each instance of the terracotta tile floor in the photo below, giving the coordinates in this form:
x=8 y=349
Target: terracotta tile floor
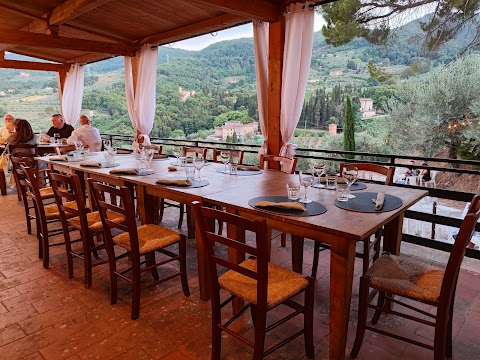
x=44 y=315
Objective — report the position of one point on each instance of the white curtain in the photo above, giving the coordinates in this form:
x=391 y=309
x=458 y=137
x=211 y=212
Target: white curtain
x=296 y=65
x=260 y=38
x=72 y=95
x=141 y=100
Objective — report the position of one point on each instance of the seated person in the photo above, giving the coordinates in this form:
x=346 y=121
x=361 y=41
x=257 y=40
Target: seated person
x=87 y=134
x=425 y=173
x=60 y=127
x=411 y=171
x=9 y=129
x=23 y=135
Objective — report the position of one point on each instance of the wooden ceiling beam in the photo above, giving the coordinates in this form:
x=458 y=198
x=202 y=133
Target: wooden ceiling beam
x=47 y=41
x=72 y=9
x=32 y=65
x=249 y=9
x=188 y=31
x=86 y=59
x=37 y=55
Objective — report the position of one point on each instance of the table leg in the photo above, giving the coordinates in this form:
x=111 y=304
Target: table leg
x=342 y=262
x=297 y=253
x=147 y=206
x=190 y=222
x=392 y=235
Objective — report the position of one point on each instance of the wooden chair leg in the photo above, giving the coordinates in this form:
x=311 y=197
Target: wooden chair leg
x=136 y=288
x=182 y=248
x=308 y=319
x=46 y=250
x=380 y=304
x=283 y=239
x=180 y=219
x=68 y=249
x=261 y=319
x=150 y=260
x=376 y=247
x=216 y=332
x=3 y=183
x=316 y=258
x=362 y=317
x=449 y=346
x=366 y=255
x=253 y=313
x=162 y=209
x=112 y=265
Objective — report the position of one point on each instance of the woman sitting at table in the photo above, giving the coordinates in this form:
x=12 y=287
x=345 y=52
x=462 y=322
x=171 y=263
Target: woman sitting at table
x=23 y=135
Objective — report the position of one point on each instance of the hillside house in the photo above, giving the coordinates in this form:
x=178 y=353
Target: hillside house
x=236 y=127
x=366 y=108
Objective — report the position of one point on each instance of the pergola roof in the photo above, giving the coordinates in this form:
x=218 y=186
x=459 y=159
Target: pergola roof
x=84 y=31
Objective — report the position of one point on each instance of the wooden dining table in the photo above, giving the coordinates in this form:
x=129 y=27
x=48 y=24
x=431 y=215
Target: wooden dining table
x=339 y=228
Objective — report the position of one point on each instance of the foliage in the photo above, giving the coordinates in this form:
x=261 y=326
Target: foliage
x=348 y=128
x=233 y=115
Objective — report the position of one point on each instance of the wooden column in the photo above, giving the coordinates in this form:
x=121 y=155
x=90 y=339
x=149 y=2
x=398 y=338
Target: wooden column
x=276 y=41
x=62 y=75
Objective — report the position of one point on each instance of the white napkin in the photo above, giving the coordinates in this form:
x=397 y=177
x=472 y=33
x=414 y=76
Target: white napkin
x=379 y=201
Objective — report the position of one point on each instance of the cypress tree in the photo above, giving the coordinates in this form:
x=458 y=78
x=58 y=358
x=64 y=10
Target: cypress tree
x=348 y=129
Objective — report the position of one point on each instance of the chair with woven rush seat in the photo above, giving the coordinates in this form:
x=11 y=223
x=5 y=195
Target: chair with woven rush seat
x=29 y=151
x=416 y=280
x=145 y=241
x=67 y=188
x=262 y=284
x=234 y=153
x=371 y=247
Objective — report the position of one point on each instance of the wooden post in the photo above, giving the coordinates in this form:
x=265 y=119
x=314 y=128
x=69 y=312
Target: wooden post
x=62 y=75
x=276 y=43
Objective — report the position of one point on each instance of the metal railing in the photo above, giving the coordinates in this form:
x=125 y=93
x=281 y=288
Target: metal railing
x=336 y=156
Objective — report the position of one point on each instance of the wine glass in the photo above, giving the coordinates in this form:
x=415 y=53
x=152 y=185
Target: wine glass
x=198 y=163
x=350 y=176
x=225 y=156
x=306 y=182
x=176 y=153
x=106 y=144
x=149 y=157
x=319 y=169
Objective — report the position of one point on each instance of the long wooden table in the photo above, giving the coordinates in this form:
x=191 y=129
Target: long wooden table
x=339 y=228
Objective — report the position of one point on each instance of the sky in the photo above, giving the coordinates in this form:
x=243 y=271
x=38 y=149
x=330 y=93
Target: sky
x=242 y=31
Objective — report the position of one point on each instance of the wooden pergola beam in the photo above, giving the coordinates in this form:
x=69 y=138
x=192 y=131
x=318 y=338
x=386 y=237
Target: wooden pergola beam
x=31 y=65
x=199 y=28
x=66 y=43
x=250 y=9
x=72 y=9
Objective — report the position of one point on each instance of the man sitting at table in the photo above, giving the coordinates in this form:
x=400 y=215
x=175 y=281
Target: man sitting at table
x=60 y=127
x=87 y=134
x=9 y=128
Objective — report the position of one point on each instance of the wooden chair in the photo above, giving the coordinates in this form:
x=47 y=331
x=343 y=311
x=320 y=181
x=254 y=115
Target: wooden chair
x=414 y=279
x=197 y=152
x=26 y=151
x=234 y=153
x=140 y=241
x=60 y=150
x=3 y=183
x=287 y=165
x=371 y=246
x=263 y=285
x=44 y=215
x=67 y=189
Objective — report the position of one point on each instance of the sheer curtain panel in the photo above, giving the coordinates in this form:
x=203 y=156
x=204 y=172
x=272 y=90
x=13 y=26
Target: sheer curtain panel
x=72 y=95
x=296 y=65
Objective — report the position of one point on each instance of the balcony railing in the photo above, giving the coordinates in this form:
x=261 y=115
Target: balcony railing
x=334 y=157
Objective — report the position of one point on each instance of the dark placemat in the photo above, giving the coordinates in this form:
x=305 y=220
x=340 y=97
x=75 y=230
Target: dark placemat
x=241 y=172
x=314 y=208
x=195 y=184
x=363 y=203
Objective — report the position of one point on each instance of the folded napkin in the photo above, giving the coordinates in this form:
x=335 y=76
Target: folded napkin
x=379 y=201
x=160 y=156
x=246 y=168
x=124 y=171
x=90 y=164
x=174 y=182
x=172 y=168
x=58 y=158
x=281 y=205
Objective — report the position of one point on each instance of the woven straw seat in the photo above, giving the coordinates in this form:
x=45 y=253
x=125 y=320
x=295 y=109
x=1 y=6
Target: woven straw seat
x=150 y=237
x=94 y=221
x=406 y=277
x=282 y=284
x=45 y=193
x=51 y=211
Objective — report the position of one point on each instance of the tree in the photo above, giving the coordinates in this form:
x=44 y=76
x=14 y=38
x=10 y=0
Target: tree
x=374 y=20
x=234 y=137
x=352 y=65
x=348 y=129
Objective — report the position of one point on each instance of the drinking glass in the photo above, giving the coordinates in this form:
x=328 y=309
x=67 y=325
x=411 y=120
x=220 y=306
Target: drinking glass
x=106 y=144
x=350 y=177
x=176 y=153
x=319 y=169
x=198 y=163
x=342 y=192
x=306 y=182
x=233 y=168
x=190 y=173
x=149 y=157
x=225 y=156
x=56 y=137
x=293 y=190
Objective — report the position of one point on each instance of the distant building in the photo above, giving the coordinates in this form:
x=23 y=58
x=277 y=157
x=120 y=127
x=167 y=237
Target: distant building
x=366 y=108
x=236 y=127
x=335 y=73
x=185 y=94
x=24 y=74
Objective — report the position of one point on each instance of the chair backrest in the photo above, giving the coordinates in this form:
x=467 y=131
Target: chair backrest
x=379 y=169
x=457 y=254
x=287 y=165
x=195 y=150
x=433 y=175
x=234 y=153
x=155 y=148
x=60 y=150
x=211 y=241
x=31 y=184
x=126 y=209
x=17 y=163
x=24 y=150
x=67 y=188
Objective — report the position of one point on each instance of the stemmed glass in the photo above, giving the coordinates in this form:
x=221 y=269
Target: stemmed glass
x=306 y=182
x=149 y=157
x=198 y=163
x=319 y=169
x=350 y=176
x=176 y=153
x=225 y=156
x=107 y=144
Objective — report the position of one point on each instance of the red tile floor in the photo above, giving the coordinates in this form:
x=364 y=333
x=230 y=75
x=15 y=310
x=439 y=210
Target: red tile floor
x=44 y=315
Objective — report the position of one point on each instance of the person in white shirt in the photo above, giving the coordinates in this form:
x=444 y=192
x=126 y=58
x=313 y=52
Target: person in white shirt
x=9 y=128
x=87 y=134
